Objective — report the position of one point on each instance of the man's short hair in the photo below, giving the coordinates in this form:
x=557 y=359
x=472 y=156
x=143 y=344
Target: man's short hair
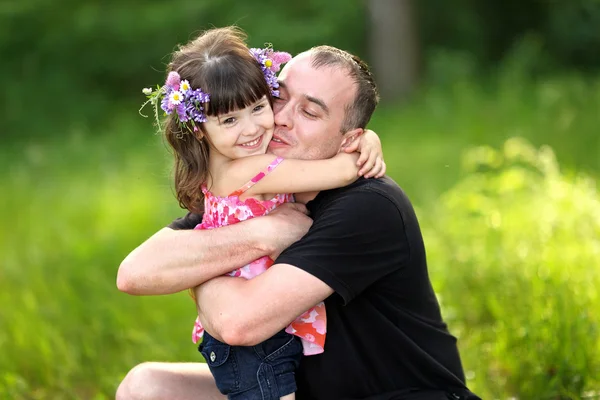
x=359 y=112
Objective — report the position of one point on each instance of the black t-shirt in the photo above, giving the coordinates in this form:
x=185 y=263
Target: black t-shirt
x=385 y=333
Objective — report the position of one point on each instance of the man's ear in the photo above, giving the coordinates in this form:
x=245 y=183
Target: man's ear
x=350 y=137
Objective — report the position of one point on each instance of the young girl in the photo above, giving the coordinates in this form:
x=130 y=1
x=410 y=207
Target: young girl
x=218 y=97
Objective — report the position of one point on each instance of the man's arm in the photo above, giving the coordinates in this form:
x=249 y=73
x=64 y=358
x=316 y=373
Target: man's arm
x=344 y=252
x=246 y=312
x=174 y=260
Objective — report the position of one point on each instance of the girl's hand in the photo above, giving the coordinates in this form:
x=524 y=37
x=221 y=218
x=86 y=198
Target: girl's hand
x=370 y=162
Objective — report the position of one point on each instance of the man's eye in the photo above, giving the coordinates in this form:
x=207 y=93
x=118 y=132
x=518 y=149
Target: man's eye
x=310 y=114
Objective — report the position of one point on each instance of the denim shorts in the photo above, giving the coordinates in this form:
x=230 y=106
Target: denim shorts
x=262 y=372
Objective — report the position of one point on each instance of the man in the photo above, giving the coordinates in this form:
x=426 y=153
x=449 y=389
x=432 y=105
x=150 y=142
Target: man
x=363 y=255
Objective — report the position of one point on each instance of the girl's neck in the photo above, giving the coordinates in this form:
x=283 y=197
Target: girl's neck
x=217 y=166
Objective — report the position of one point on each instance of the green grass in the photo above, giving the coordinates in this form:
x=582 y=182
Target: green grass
x=74 y=204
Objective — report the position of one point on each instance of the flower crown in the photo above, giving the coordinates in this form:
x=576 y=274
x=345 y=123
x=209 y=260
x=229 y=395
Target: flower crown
x=270 y=62
x=176 y=95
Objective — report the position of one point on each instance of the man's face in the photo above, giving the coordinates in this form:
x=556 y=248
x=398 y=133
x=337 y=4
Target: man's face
x=310 y=110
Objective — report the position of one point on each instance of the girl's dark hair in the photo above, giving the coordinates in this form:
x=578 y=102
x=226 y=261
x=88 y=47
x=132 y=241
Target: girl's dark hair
x=220 y=63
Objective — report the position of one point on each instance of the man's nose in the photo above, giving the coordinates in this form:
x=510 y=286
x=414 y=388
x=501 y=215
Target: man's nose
x=283 y=116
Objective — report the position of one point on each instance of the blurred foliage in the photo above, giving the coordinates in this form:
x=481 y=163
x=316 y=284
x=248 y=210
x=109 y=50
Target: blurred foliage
x=513 y=245
x=568 y=30
x=80 y=60
x=514 y=250
x=456 y=111
x=77 y=207
x=80 y=201
x=86 y=58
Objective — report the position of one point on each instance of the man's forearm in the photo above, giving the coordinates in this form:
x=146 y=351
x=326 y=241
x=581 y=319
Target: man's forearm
x=174 y=260
x=230 y=317
x=244 y=312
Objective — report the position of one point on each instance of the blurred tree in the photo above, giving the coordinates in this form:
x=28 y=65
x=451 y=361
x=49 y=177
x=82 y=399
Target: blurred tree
x=394 y=47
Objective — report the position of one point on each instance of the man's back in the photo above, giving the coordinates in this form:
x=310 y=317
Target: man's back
x=385 y=334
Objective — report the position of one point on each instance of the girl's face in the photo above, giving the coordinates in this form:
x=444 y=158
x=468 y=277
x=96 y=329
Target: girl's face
x=241 y=133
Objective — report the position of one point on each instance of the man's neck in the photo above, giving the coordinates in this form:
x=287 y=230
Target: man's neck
x=305 y=197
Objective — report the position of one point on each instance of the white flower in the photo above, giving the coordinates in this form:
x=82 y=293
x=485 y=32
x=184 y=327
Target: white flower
x=147 y=91
x=184 y=86
x=176 y=97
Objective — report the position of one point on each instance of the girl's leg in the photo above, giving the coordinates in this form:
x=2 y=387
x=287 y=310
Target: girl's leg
x=173 y=381
x=291 y=396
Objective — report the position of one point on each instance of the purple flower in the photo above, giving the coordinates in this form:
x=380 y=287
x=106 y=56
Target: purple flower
x=270 y=62
x=194 y=99
x=181 y=114
x=165 y=103
x=188 y=105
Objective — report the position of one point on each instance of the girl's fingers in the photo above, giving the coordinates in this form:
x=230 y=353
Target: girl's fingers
x=374 y=172
x=383 y=169
x=368 y=165
x=364 y=156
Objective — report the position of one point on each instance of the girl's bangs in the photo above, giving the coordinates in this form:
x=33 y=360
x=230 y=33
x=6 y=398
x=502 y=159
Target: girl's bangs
x=235 y=88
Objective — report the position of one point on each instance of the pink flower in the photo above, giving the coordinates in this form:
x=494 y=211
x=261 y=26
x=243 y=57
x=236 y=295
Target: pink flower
x=278 y=58
x=173 y=80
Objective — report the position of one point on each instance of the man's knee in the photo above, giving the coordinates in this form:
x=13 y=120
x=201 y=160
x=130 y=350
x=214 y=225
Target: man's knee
x=137 y=383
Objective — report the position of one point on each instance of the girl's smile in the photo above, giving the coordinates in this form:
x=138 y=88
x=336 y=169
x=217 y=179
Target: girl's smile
x=254 y=143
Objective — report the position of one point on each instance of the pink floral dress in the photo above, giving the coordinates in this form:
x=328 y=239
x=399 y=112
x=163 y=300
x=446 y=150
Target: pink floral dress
x=311 y=326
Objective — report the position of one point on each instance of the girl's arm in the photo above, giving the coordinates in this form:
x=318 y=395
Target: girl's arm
x=298 y=176
x=295 y=176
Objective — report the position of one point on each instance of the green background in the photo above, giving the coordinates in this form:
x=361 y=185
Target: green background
x=498 y=148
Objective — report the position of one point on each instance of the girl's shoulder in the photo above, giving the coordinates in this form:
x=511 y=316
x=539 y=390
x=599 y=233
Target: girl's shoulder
x=243 y=173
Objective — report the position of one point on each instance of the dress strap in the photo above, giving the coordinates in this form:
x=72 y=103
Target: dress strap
x=258 y=177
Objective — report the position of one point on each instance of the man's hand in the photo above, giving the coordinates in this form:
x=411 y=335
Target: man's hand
x=287 y=224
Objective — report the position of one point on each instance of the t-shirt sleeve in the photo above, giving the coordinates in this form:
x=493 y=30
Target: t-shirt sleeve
x=189 y=221
x=356 y=240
